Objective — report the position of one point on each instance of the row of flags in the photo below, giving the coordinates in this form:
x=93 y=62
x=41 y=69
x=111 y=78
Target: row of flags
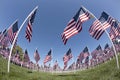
x=8 y=35
x=75 y=24
x=96 y=30
x=99 y=26
x=84 y=55
x=37 y=56
x=74 y=27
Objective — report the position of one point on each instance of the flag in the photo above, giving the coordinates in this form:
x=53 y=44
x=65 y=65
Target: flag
x=87 y=60
x=28 y=35
x=0 y=36
x=11 y=33
x=26 y=56
x=106 y=46
x=84 y=15
x=99 y=47
x=75 y=24
x=67 y=56
x=107 y=49
x=48 y=57
x=99 y=26
x=81 y=57
x=55 y=65
x=96 y=52
x=85 y=52
x=36 y=56
x=114 y=31
x=3 y=34
x=94 y=27
x=4 y=38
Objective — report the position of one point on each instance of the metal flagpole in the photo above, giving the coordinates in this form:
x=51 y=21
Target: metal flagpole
x=108 y=37
x=17 y=36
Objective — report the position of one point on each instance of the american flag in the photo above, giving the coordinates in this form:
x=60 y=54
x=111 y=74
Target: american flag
x=99 y=26
x=99 y=47
x=28 y=35
x=36 y=56
x=12 y=32
x=106 y=46
x=0 y=36
x=75 y=24
x=3 y=34
x=4 y=38
x=5 y=41
x=114 y=31
x=55 y=65
x=85 y=52
x=48 y=57
x=26 y=56
x=95 y=52
x=67 y=57
x=81 y=57
x=87 y=60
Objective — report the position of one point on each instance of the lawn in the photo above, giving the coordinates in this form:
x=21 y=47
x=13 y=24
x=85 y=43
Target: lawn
x=105 y=71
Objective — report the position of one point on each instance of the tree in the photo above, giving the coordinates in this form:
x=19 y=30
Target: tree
x=19 y=50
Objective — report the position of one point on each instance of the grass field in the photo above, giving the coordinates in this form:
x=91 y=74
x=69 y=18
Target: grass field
x=106 y=71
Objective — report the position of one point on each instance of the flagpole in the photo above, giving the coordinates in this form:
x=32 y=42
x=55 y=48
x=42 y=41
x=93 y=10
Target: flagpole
x=17 y=36
x=108 y=37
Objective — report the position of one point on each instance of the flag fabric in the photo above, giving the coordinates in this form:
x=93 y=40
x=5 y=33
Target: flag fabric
x=106 y=46
x=94 y=27
x=0 y=36
x=87 y=60
x=3 y=35
x=55 y=65
x=84 y=15
x=96 y=52
x=5 y=41
x=66 y=58
x=4 y=38
x=48 y=57
x=107 y=49
x=99 y=26
x=36 y=56
x=12 y=32
x=75 y=24
x=85 y=52
x=81 y=57
x=28 y=35
x=99 y=47
x=26 y=56
x=114 y=30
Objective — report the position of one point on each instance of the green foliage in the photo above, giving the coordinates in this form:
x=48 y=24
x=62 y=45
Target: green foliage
x=105 y=71
x=20 y=50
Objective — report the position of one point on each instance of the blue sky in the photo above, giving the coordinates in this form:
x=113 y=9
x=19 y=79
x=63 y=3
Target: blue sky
x=51 y=19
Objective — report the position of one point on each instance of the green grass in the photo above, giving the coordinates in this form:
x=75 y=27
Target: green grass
x=106 y=71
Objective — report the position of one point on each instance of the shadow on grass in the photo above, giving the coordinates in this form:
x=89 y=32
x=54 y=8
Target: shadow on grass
x=29 y=72
x=117 y=74
x=2 y=73
x=68 y=75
